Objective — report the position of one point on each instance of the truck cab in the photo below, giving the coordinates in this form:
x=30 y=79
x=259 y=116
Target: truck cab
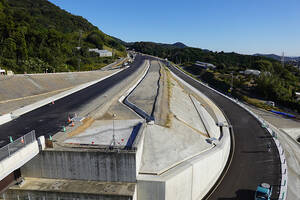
x=263 y=192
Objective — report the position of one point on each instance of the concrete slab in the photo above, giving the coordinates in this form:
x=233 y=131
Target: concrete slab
x=144 y=94
x=101 y=132
x=122 y=112
x=76 y=186
x=167 y=147
x=293 y=132
x=207 y=120
x=183 y=108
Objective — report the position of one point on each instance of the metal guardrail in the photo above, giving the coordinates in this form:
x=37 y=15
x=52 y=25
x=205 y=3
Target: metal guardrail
x=16 y=145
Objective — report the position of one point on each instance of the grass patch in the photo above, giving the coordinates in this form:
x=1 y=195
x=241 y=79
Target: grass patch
x=87 y=122
x=259 y=104
x=168 y=122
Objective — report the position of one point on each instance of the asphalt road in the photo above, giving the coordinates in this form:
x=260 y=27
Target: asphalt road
x=252 y=163
x=49 y=119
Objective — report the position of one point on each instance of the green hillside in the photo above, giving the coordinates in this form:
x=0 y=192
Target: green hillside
x=276 y=83
x=36 y=35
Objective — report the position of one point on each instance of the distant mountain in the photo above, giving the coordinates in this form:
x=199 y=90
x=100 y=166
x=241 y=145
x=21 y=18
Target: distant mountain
x=179 y=45
x=276 y=57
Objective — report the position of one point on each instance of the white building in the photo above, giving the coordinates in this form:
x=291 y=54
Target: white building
x=2 y=72
x=205 y=65
x=252 y=71
x=102 y=53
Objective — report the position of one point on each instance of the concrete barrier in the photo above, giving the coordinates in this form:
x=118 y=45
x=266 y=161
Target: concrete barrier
x=209 y=123
x=18 y=159
x=5 y=118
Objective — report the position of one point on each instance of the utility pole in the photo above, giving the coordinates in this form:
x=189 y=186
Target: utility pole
x=282 y=59
x=79 y=45
x=114 y=137
x=231 y=82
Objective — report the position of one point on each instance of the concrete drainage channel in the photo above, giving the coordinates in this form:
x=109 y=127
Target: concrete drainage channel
x=124 y=98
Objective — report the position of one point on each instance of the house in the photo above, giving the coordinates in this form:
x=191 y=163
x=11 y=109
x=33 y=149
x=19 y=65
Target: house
x=252 y=71
x=102 y=53
x=2 y=72
x=205 y=65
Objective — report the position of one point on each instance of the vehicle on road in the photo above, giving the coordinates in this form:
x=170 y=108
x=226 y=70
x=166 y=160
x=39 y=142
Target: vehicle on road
x=263 y=192
x=270 y=103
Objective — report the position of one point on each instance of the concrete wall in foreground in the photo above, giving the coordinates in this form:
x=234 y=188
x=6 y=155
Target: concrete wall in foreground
x=96 y=166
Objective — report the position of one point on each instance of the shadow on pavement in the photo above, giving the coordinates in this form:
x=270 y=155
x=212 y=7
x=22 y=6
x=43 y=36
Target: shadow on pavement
x=255 y=151
x=241 y=195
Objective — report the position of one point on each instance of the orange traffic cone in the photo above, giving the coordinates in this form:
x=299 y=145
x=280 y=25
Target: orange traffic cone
x=69 y=120
x=72 y=124
x=22 y=140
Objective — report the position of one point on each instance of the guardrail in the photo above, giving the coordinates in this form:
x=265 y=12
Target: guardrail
x=16 y=145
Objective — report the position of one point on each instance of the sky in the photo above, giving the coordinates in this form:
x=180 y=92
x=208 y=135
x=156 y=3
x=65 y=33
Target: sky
x=242 y=26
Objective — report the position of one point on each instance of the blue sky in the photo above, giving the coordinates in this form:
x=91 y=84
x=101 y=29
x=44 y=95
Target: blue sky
x=243 y=26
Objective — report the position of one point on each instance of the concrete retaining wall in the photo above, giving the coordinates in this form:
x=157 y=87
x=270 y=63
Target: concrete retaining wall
x=139 y=144
x=18 y=159
x=81 y=165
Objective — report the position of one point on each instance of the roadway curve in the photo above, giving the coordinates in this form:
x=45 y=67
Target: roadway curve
x=49 y=119
x=251 y=162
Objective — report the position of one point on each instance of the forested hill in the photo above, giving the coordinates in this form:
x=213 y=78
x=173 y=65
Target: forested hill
x=36 y=35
